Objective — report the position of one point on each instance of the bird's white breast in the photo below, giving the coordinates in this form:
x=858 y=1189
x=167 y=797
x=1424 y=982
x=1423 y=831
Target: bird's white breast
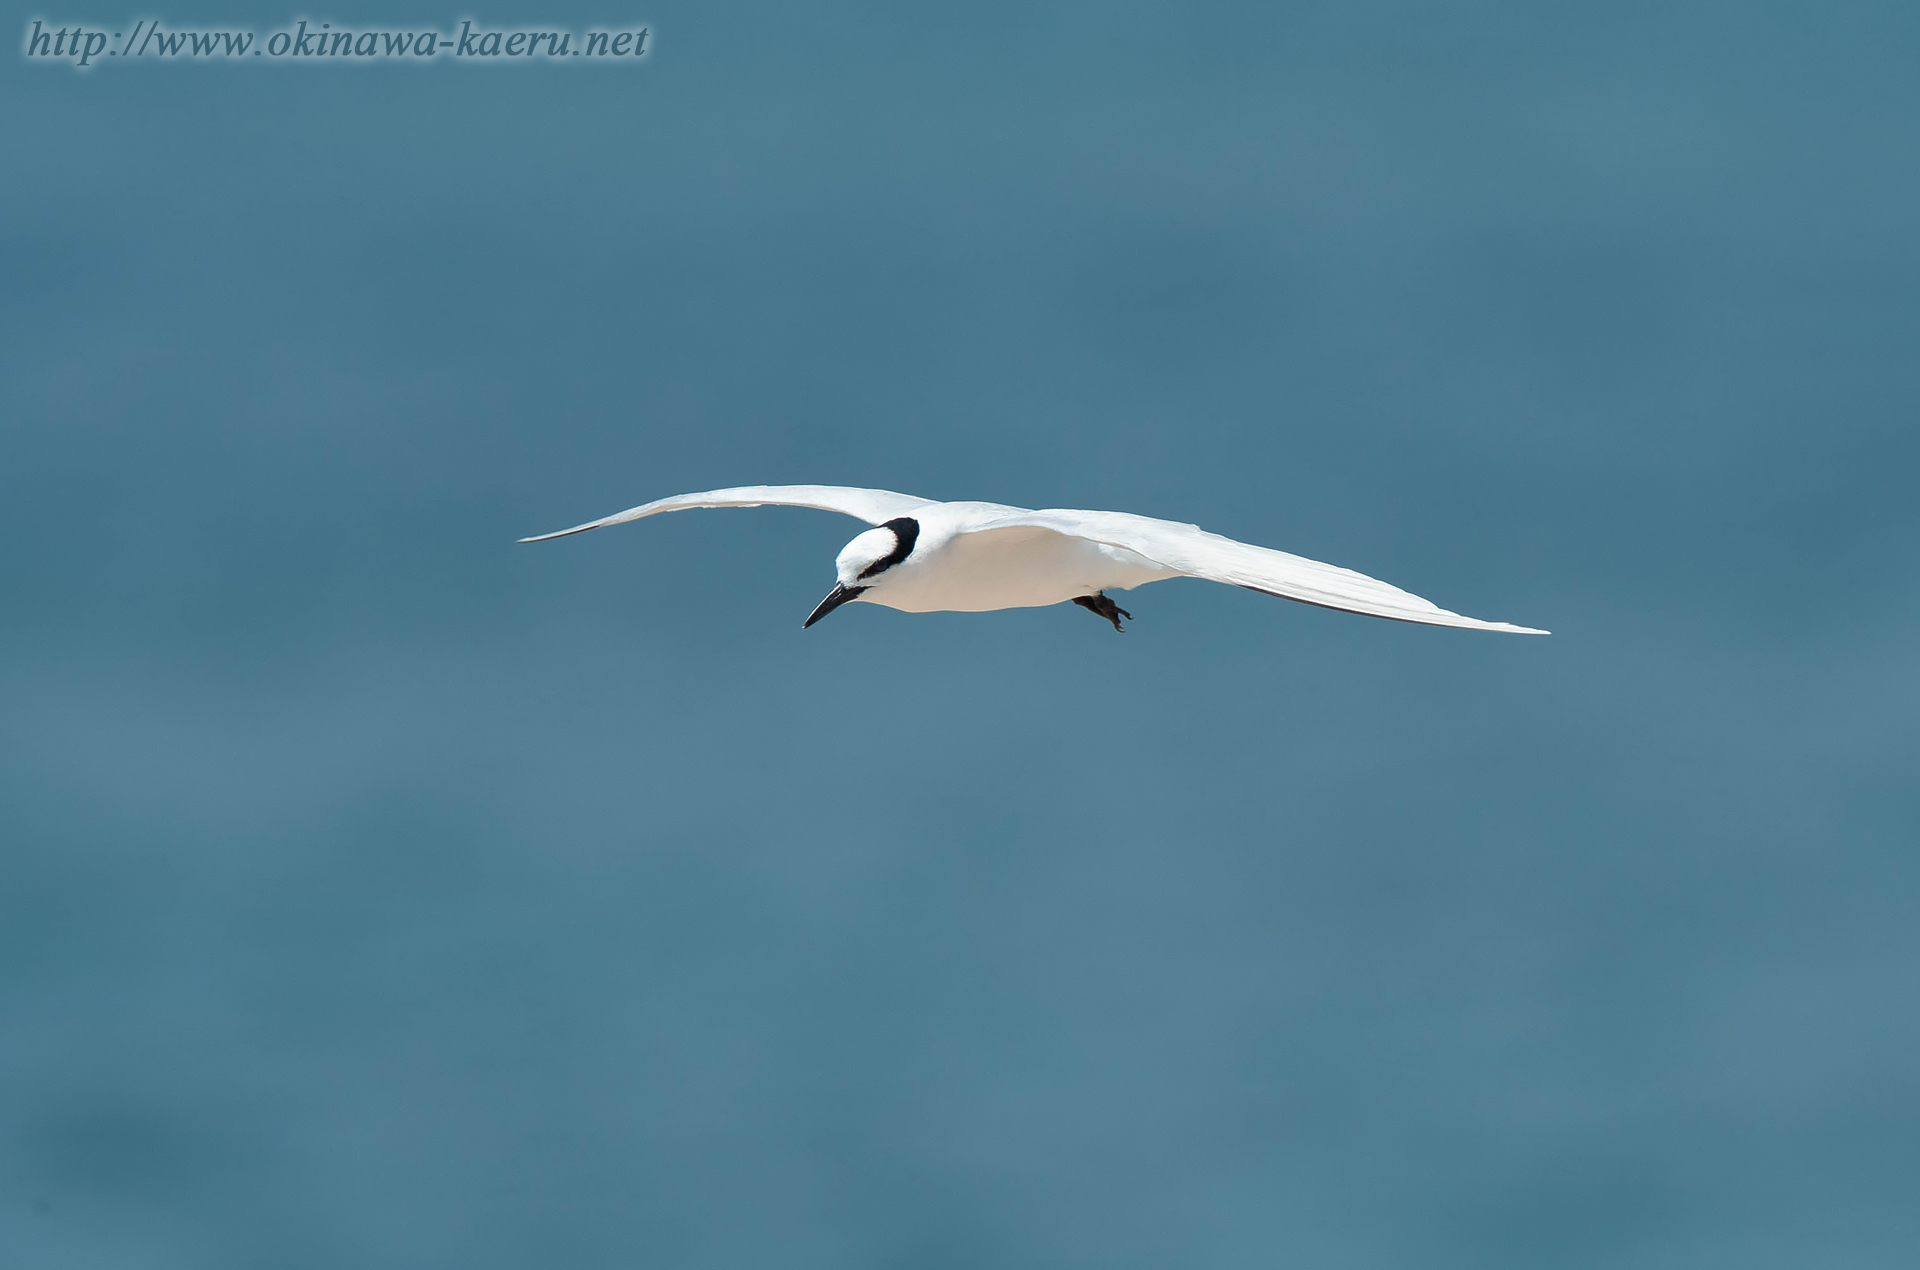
x=1022 y=567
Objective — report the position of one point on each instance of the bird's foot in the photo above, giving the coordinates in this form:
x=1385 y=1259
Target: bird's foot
x=1099 y=603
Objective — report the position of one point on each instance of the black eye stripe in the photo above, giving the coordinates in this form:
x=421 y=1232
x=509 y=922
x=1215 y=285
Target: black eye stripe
x=906 y=531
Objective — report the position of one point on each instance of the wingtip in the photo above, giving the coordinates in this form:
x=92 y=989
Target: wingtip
x=1506 y=628
x=558 y=533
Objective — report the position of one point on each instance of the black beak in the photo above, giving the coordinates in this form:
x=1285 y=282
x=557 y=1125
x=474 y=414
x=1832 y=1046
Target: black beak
x=835 y=598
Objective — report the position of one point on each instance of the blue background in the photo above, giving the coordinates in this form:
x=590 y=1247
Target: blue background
x=376 y=892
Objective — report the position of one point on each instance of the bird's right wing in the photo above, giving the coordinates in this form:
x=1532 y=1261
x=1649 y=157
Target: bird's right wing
x=875 y=506
x=1193 y=551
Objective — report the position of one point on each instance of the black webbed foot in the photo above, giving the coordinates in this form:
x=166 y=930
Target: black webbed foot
x=1099 y=603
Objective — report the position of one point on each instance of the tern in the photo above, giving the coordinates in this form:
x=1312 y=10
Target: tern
x=924 y=556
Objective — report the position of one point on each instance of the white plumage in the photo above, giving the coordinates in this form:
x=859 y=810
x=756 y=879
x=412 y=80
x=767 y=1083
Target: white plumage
x=927 y=556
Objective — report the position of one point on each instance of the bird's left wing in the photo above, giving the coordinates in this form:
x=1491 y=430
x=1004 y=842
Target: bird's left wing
x=875 y=506
x=1193 y=551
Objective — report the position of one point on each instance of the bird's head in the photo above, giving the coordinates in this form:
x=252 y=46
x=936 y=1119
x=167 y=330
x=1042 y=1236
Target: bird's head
x=863 y=563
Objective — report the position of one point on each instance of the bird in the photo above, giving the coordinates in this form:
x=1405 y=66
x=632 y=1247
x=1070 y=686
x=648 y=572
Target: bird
x=925 y=556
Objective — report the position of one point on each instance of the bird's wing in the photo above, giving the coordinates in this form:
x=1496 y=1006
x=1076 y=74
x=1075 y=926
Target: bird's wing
x=1191 y=550
x=875 y=506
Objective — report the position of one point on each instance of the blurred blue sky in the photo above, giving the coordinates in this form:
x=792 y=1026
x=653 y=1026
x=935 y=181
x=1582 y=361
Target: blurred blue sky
x=375 y=892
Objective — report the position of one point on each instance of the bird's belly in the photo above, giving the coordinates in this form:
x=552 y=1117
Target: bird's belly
x=1014 y=569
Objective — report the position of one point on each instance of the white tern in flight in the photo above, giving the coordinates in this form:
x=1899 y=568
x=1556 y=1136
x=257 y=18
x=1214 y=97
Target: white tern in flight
x=925 y=557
